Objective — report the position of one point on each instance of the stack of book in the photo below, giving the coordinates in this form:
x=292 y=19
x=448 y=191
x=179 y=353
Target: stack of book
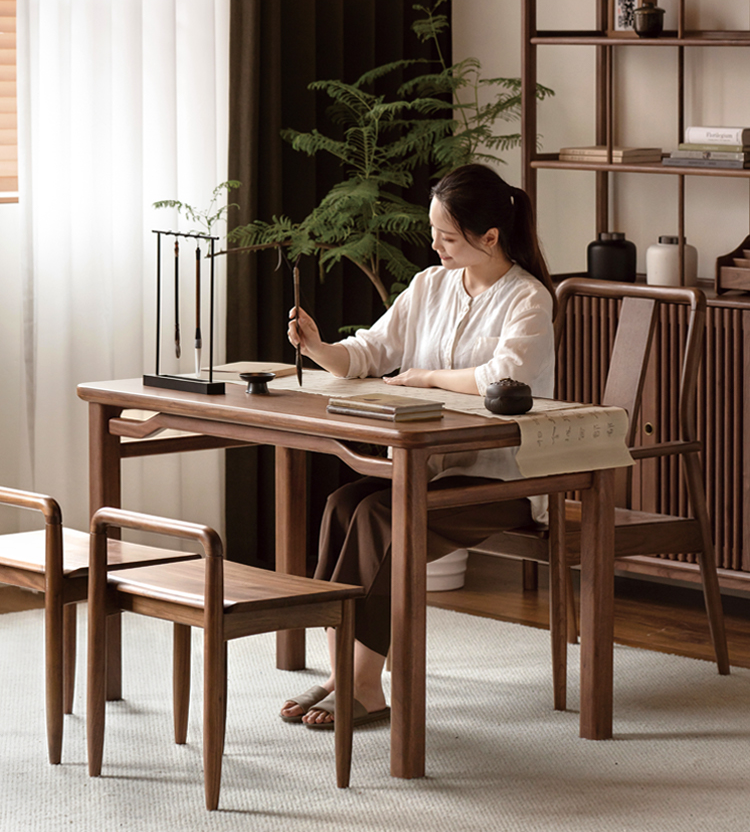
x=597 y=154
x=712 y=147
x=392 y=408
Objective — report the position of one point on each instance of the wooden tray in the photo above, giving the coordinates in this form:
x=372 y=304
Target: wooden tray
x=732 y=273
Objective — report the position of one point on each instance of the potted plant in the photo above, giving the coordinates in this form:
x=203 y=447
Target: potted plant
x=436 y=119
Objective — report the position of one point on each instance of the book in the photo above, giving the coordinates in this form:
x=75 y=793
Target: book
x=415 y=416
x=718 y=135
x=736 y=148
x=598 y=153
x=727 y=155
x=706 y=163
x=385 y=403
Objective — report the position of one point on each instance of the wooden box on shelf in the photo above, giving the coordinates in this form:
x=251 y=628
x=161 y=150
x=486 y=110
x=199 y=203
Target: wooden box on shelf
x=733 y=269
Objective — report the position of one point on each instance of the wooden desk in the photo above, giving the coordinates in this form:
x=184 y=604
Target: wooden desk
x=295 y=423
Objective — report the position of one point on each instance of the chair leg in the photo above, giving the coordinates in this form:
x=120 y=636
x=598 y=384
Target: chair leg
x=70 y=621
x=96 y=666
x=344 y=693
x=54 y=647
x=711 y=591
x=181 y=681
x=557 y=599
x=114 y=657
x=571 y=602
x=530 y=575
x=214 y=713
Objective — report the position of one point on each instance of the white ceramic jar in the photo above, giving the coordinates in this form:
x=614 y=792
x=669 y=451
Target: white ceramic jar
x=663 y=263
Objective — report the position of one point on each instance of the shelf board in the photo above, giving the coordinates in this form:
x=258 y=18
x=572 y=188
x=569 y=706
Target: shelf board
x=652 y=167
x=596 y=38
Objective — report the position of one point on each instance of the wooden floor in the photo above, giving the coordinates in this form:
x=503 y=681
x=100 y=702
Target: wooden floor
x=648 y=615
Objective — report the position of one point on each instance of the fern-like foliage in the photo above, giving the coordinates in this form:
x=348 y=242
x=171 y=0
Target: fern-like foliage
x=206 y=218
x=442 y=118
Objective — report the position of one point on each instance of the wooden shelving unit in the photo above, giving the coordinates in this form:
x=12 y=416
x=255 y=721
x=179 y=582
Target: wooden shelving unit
x=605 y=45
x=724 y=389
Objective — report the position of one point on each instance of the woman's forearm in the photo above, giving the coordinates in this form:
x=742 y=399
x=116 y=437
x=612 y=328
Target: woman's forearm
x=458 y=381
x=331 y=357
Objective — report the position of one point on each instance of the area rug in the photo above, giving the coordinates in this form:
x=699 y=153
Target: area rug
x=498 y=756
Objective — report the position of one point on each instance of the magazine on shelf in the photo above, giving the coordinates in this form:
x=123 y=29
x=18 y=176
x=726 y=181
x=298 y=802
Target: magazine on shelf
x=726 y=155
x=598 y=153
x=705 y=163
x=726 y=148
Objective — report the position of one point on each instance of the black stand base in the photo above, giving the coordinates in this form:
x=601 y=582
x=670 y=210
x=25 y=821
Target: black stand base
x=189 y=385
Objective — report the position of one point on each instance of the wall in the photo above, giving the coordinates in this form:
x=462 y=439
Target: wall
x=642 y=206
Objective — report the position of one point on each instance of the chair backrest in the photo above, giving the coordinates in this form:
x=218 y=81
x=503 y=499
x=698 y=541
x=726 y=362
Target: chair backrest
x=50 y=508
x=616 y=343
x=107 y=518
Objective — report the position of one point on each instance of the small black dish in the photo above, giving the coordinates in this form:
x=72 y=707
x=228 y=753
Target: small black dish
x=258 y=382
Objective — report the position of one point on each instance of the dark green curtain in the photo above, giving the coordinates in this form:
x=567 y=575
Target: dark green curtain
x=277 y=47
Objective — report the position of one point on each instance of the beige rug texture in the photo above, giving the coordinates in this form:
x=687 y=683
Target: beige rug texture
x=498 y=756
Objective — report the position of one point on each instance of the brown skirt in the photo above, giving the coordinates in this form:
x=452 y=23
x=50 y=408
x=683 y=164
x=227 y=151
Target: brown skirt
x=355 y=543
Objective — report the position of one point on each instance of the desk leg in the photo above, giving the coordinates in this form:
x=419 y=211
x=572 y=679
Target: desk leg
x=104 y=490
x=291 y=540
x=597 y=606
x=408 y=613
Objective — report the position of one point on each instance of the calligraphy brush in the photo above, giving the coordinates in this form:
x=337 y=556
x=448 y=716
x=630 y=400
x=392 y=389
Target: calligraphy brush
x=177 y=349
x=198 y=339
x=298 y=351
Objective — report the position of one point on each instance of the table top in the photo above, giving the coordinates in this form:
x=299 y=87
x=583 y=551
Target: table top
x=298 y=412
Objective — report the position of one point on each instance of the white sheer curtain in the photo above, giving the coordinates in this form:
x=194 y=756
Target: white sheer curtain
x=121 y=103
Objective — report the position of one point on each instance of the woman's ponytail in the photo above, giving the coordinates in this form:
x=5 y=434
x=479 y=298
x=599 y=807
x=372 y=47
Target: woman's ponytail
x=523 y=244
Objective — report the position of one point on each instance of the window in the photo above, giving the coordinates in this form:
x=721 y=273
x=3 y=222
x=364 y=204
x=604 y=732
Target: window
x=8 y=125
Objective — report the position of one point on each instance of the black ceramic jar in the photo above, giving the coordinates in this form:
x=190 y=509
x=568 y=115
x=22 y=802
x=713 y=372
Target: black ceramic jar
x=648 y=20
x=611 y=257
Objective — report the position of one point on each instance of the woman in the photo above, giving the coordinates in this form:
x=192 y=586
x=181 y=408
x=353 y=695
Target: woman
x=484 y=314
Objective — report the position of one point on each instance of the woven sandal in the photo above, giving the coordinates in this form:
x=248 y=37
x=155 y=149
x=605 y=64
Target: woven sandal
x=361 y=715
x=305 y=700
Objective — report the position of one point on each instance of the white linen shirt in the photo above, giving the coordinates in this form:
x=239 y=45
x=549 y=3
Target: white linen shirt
x=504 y=332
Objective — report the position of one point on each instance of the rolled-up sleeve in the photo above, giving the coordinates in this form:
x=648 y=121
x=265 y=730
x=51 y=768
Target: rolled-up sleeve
x=380 y=349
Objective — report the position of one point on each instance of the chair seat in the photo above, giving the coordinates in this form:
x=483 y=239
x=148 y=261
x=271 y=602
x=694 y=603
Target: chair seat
x=245 y=587
x=226 y=600
x=635 y=533
x=26 y=551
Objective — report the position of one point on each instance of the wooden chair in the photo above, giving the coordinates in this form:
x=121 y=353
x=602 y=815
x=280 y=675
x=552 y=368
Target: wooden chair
x=55 y=560
x=228 y=600
x=637 y=533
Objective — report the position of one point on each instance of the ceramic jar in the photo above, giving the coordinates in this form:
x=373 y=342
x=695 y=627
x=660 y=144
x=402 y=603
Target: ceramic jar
x=663 y=263
x=611 y=257
x=648 y=20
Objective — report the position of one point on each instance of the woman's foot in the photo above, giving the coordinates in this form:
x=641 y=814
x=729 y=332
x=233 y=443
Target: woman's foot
x=372 y=700
x=294 y=709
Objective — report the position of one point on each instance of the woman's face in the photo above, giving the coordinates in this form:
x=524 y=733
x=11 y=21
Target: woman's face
x=455 y=251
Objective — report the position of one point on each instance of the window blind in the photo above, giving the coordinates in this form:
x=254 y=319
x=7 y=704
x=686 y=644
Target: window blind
x=8 y=124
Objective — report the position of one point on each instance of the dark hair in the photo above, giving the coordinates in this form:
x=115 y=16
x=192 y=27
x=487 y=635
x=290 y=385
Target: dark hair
x=477 y=199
